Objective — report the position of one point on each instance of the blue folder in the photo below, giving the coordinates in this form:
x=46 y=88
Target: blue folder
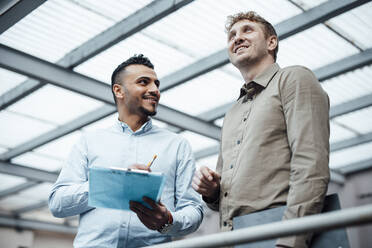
x=115 y=187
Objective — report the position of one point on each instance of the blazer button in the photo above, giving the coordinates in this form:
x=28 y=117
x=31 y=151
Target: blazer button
x=225 y=194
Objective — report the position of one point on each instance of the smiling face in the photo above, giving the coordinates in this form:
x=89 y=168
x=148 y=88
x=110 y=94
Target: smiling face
x=138 y=91
x=248 y=45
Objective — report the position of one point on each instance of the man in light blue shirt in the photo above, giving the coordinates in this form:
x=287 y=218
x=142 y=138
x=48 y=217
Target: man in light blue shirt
x=131 y=142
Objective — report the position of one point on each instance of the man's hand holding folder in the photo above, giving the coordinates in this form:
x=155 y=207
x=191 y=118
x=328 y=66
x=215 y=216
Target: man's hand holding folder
x=155 y=218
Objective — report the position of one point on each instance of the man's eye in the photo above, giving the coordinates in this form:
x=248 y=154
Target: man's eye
x=143 y=81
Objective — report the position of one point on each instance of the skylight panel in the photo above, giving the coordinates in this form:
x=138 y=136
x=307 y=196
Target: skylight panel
x=349 y=86
x=39 y=192
x=8 y=181
x=314 y=48
x=9 y=80
x=198 y=29
x=219 y=122
x=59 y=148
x=44 y=215
x=54 y=29
x=165 y=59
x=104 y=123
x=17 y=129
x=38 y=161
x=203 y=93
x=197 y=141
x=360 y=121
x=55 y=105
x=356 y=25
x=15 y=202
x=338 y=133
x=308 y=4
x=112 y=9
x=210 y=162
x=351 y=155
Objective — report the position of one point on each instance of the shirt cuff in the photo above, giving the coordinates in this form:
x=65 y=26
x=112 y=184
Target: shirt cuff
x=176 y=225
x=212 y=205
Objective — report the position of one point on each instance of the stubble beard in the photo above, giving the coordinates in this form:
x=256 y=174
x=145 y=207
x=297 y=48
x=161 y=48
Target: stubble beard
x=147 y=112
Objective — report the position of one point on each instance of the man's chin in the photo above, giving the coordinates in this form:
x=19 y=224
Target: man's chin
x=148 y=112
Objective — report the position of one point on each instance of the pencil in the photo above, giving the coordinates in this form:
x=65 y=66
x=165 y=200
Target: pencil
x=152 y=161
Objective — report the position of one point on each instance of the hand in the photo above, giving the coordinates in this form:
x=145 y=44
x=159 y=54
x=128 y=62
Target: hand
x=207 y=183
x=152 y=218
x=140 y=167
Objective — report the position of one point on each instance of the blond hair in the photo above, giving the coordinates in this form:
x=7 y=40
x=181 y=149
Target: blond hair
x=253 y=17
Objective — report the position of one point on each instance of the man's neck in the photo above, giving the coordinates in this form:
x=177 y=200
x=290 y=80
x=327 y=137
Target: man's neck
x=250 y=72
x=135 y=122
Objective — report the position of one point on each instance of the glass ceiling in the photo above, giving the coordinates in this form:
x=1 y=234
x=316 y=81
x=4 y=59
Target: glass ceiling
x=177 y=40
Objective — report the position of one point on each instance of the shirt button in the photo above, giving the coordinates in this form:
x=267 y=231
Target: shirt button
x=244 y=119
x=225 y=194
x=238 y=142
x=231 y=166
x=225 y=223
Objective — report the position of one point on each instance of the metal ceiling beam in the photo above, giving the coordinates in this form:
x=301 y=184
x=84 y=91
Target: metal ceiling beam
x=343 y=144
x=17 y=93
x=351 y=106
x=27 y=172
x=120 y=31
x=9 y=221
x=284 y=29
x=60 y=131
x=344 y=65
x=16 y=10
x=337 y=177
x=26 y=64
x=5 y=5
x=356 y=167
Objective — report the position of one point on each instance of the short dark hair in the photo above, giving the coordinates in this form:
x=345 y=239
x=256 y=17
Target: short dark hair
x=139 y=59
x=253 y=17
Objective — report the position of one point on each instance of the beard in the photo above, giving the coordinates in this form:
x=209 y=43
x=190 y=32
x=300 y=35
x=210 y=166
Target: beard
x=147 y=112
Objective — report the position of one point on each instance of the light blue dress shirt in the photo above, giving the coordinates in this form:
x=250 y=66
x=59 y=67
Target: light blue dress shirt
x=119 y=146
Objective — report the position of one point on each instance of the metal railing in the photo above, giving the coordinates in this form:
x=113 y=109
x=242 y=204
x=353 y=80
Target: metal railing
x=327 y=221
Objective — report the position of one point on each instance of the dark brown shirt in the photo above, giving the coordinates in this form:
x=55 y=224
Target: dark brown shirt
x=275 y=149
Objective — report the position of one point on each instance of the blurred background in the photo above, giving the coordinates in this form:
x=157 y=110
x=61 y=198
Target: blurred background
x=56 y=60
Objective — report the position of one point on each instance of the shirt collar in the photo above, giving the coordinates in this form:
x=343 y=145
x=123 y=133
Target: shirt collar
x=147 y=126
x=265 y=77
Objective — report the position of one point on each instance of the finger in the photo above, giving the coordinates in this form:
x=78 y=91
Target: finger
x=148 y=222
x=216 y=175
x=203 y=183
x=140 y=167
x=151 y=202
x=202 y=191
x=206 y=172
x=139 y=208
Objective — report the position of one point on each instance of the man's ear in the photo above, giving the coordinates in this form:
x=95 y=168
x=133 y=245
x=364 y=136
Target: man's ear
x=118 y=91
x=272 y=43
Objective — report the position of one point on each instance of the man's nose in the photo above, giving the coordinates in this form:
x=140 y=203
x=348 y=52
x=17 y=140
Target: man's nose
x=154 y=89
x=238 y=40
